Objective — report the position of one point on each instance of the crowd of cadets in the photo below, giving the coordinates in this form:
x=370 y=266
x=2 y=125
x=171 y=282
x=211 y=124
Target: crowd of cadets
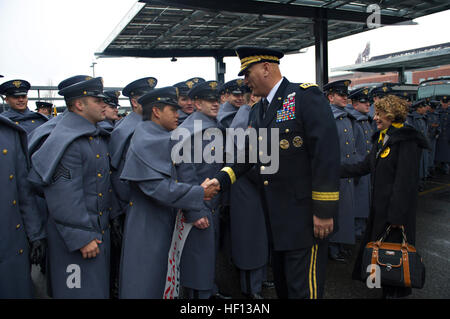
x=74 y=185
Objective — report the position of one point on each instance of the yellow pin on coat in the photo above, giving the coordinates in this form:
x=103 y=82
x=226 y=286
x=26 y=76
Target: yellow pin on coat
x=385 y=153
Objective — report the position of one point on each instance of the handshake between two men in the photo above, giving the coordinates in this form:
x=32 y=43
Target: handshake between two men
x=323 y=227
x=211 y=188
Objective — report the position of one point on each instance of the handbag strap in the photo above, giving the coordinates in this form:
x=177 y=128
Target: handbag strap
x=406 y=273
x=386 y=233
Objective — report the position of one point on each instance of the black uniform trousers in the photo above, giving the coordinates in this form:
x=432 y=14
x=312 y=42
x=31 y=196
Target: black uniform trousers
x=300 y=274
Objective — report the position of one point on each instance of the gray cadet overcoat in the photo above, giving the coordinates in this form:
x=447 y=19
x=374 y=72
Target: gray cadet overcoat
x=345 y=233
x=149 y=223
x=199 y=254
x=363 y=131
x=118 y=147
x=249 y=243
x=19 y=220
x=28 y=120
x=72 y=166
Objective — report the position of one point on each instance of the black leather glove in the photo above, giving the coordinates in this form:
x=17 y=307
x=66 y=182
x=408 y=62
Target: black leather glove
x=38 y=251
x=117 y=230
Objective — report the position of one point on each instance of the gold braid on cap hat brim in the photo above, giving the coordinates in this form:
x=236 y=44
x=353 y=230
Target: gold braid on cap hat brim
x=245 y=62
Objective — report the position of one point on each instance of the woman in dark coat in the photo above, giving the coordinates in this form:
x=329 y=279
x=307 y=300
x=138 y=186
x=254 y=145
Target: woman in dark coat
x=394 y=167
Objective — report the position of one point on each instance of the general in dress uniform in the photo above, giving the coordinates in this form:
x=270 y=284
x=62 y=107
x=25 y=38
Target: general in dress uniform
x=301 y=199
x=363 y=130
x=72 y=167
x=20 y=222
x=337 y=93
x=16 y=92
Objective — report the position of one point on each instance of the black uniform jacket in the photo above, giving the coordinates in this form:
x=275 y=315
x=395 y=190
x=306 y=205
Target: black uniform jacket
x=394 y=169
x=307 y=181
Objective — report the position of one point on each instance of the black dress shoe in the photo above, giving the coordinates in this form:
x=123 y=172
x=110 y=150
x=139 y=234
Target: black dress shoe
x=269 y=284
x=220 y=295
x=338 y=257
x=253 y=296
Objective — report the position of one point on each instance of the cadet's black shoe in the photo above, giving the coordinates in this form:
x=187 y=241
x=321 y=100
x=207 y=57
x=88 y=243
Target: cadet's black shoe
x=220 y=295
x=269 y=284
x=253 y=296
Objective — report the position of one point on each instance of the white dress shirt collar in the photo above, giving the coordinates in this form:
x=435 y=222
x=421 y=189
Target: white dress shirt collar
x=272 y=92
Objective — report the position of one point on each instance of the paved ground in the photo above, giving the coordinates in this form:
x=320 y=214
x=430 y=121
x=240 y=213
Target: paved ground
x=433 y=243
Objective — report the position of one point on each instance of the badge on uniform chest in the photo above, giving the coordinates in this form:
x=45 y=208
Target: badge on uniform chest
x=288 y=111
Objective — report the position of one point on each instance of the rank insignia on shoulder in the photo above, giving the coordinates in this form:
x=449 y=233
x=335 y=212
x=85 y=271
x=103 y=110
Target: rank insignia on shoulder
x=307 y=85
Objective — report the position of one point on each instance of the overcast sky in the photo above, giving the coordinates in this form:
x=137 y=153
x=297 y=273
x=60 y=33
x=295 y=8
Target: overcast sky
x=46 y=41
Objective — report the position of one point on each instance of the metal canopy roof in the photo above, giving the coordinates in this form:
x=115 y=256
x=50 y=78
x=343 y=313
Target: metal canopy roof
x=200 y=28
x=431 y=56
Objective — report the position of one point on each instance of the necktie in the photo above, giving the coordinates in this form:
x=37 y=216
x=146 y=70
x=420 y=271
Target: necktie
x=265 y=105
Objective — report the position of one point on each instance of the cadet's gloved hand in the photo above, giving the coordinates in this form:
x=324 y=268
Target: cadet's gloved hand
x=38 y=251
x=117 y=231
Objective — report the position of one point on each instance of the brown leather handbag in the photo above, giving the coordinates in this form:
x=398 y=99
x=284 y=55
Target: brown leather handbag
x=399 y=264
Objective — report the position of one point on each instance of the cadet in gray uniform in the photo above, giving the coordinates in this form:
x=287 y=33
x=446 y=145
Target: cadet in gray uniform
x=121 y=135
x=38 y=136
x=111 y=117
x=20 y=223
x=200 y=251
x=35 y=140
x=72 y=167
x=16 y=92
x=249 y=243
x=337 y=93
x=184 y=101
x=363 y=131
x=434 y=130
x=443 y=142
x=44 y=108
x=418 y=120
x=155 y=196
x=234 y=91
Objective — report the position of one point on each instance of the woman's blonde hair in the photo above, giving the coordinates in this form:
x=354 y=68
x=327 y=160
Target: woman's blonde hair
x=395 y=108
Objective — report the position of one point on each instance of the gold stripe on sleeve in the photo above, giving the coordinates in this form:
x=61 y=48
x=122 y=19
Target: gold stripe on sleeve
x=325 y=196
x=230 y=173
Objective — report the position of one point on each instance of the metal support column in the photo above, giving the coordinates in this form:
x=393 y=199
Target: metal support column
x=220 y=69
x=401 y=75
x=321 y=46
